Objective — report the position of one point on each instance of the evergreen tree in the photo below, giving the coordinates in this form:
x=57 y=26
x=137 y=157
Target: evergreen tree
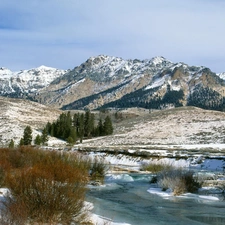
x=52 y=131
x=70 y=128
x=11 y=144
x=73 y=134
x=21 y=142
x=92 y=124
x=87 y=124
x=70 y=140
x=81 y=127
x=100 y=128
x=108 y=128
x=27 y=135
x=44 y=136
x=76 y=118
x=48 y=127
x=37 y=140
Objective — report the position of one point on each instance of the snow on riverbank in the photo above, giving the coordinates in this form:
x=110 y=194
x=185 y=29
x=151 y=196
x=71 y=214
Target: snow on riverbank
x=169 y=195
x=94 y=218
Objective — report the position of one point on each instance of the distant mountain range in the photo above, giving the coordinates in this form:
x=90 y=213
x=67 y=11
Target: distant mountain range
x=106 y=81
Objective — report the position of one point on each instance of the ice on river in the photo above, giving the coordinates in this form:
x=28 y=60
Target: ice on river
x=169 y=195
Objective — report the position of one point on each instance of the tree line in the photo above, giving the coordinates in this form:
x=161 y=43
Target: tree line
x=70 y=128
x=207 y=98
x=79 y=126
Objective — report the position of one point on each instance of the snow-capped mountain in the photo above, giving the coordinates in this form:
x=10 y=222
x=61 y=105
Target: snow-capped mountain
x=108 y=81
x=221 y=75
x=114 y=82
x=27 y=81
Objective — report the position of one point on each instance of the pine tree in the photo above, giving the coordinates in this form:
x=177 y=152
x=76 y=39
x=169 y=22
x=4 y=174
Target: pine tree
x=108 y=128
x=81 y=127
x=11 y=144
x=44 y=136
x=70 y=140
x=21 y=142
x=100 y=128
x=73 y=134
x=27 y=135
x=37 y=140
x=48 y=127
x=87 y=124
x=52 y=130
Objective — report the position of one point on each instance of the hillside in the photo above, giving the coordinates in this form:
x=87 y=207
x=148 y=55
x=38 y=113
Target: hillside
x=179 y=126
x=16 y=114
x=105 y=81
x=135 y=129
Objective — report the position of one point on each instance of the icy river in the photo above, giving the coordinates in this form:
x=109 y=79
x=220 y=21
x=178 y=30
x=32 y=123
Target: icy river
x=125 y=199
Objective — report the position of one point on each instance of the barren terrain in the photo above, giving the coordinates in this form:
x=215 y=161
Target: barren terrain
x=185 y=125
x=16 y=114
x=136 y=129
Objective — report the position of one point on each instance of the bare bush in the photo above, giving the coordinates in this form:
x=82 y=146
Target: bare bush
x=178 y=180
x=50 y=187
x=155 y=167
x=98 y=169
x=13 y=212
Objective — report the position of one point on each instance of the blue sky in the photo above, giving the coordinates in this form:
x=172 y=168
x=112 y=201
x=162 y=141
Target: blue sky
x=65 y=33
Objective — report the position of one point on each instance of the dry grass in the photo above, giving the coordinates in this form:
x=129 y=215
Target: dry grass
x=45 y=187
x=178 y=180
x=180 y=126
x=98 y=169
x=155 y=167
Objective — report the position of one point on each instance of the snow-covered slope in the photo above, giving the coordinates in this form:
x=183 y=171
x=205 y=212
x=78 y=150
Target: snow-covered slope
x=16 y=114
x=179 y=126
x=221 y=75
x=110 y=81
x=27 y=81
x=110 y=67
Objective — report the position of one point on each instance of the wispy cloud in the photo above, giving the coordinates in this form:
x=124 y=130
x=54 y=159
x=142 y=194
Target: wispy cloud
x=63 y=34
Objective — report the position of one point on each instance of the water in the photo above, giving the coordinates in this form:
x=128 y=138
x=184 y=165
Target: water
x=125 y=199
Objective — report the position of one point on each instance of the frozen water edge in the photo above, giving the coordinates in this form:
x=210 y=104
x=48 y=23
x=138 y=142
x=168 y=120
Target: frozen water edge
x=94 y=218
x=169 y=195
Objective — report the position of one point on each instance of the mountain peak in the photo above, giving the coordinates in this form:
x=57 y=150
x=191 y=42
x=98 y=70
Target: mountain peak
x=103 y=79
x=5 y=72
x=3 y=68
x=42 y=67
x=159 y=60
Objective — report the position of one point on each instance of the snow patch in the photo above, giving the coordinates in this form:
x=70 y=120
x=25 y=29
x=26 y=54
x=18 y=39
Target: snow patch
x=169 y=195
x=157 y=83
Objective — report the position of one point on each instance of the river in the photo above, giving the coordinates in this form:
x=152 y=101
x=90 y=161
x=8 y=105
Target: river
x=124 y=199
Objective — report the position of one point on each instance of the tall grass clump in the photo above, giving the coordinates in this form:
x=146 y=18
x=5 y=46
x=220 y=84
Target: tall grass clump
x=45 y=186
x=98 y=169
x=154 y=167
x=178 y=180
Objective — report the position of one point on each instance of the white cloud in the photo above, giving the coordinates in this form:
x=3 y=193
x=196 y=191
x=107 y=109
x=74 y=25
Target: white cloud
x=65 y=33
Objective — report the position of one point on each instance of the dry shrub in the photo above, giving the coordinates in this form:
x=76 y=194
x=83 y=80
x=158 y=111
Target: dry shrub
x=98 y=169
x=13 y=212
x=178 y=180
x=21 y=157
x=155 y=167
x=49 y=185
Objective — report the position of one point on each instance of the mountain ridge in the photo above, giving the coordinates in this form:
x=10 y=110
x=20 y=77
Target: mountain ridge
x=25 y=81
x=106 y=81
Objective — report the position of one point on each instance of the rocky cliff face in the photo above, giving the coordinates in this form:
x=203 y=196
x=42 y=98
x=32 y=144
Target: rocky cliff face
x=106 y=81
